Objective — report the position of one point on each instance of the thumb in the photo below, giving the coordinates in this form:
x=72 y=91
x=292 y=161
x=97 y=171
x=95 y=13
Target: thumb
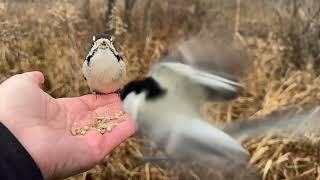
x=35 y=76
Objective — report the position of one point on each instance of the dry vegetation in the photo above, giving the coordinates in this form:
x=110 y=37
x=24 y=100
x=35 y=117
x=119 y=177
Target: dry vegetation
x=282 y=38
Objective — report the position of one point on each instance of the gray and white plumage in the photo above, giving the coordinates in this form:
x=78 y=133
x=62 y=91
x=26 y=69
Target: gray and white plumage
x=166 y=106
x=103 y=68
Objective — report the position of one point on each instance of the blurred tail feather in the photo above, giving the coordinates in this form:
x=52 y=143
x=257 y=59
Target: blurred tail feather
x=290 y=122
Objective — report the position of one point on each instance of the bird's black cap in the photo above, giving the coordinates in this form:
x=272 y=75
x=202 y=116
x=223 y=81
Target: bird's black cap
x=101 y=36
x=148 y=85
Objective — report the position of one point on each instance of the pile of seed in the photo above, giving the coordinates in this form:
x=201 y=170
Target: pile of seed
x=102 y=124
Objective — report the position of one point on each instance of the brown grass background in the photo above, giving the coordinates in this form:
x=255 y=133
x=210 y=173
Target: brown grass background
x=282 y=39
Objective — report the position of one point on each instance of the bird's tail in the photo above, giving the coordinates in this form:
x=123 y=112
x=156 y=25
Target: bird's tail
x=290 y=122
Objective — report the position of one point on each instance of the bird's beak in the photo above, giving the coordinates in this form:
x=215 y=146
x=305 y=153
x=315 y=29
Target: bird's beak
x=104 y=43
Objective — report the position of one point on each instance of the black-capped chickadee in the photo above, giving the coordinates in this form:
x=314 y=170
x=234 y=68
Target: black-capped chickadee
x=167 y=103
x=103 y=68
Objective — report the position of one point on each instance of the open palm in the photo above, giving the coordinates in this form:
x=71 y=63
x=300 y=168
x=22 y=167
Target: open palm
x=43 y=125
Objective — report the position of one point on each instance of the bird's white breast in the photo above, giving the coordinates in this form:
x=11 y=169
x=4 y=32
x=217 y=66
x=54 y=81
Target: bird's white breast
x=104 y=73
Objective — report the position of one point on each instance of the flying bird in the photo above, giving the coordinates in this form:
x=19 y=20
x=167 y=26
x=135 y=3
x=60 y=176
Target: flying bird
x=166 y=105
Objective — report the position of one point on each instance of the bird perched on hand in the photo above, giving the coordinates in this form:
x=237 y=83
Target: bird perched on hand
x=103 y=68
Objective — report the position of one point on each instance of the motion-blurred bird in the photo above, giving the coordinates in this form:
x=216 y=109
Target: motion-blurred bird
x=167 y=103
x=103 y=68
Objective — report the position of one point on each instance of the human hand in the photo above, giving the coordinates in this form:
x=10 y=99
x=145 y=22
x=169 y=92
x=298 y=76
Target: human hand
x=42 y=124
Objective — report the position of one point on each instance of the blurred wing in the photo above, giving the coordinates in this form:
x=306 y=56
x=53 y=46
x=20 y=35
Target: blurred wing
x=213 y=86
x=213 y=63
x=217 y=55
x=199 y=140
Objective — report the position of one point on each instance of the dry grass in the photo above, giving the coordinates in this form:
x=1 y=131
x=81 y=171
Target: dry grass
x=53 y=37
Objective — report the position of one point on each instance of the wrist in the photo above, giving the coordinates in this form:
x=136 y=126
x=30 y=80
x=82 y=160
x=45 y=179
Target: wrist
x=23 y=134
x=15 y=159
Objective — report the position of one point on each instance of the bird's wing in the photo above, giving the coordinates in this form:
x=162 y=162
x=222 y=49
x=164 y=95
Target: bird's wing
x=210 y=86
x=206 y=66
x=85 y=70
x=199 y=140
x=216 y=55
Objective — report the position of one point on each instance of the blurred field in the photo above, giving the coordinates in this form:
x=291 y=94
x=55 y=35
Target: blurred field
x=283 y=42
